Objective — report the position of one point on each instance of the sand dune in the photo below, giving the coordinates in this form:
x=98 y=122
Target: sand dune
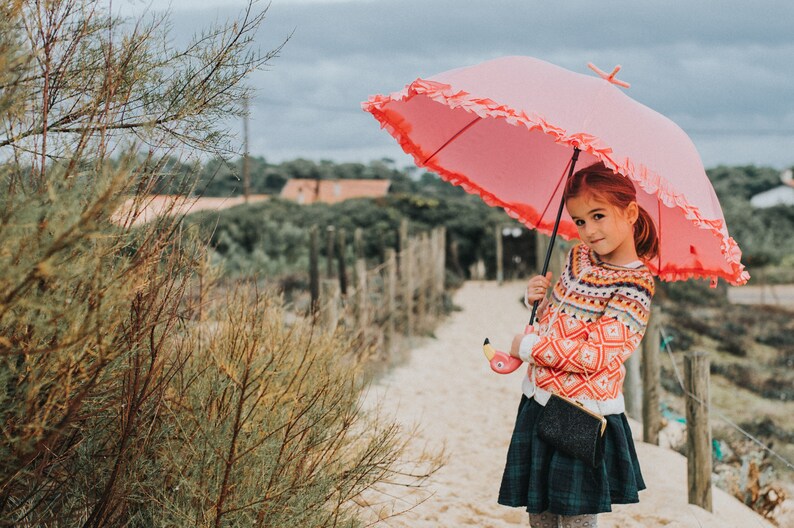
x=157 y=205
x=447 y=389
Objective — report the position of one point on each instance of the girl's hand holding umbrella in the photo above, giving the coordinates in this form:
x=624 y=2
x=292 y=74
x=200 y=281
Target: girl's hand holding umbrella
x=536 y=292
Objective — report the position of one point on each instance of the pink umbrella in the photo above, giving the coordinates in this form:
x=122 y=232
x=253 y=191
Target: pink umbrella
x=505 y=130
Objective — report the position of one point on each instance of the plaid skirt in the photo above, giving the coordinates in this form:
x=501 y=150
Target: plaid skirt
x=542 y=479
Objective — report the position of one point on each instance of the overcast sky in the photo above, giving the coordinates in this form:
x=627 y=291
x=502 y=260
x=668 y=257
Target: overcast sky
x=723 y=70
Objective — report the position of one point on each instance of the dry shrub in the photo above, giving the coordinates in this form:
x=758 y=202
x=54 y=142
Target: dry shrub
x=755 y=489
x=127 y=398
x=86 y=308
x=269 y=425
x=124 y=401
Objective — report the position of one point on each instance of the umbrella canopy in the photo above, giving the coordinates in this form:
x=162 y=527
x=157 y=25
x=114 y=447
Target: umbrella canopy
x=505 y=130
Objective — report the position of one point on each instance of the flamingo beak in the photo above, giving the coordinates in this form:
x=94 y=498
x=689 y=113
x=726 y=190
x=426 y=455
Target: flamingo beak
x=488 y=350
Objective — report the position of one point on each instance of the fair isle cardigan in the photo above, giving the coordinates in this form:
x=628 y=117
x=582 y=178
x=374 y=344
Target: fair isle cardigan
x=594 y=321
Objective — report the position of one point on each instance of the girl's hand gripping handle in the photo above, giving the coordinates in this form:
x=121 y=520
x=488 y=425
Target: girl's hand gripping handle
x=502 y=362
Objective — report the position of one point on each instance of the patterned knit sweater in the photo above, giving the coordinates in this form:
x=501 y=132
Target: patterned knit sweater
x=594 y=321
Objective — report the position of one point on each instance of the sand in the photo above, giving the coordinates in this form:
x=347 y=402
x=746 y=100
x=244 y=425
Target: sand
x=447 y=389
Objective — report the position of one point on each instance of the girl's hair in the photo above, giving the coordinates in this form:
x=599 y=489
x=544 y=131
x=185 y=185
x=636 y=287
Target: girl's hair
x=616 y=189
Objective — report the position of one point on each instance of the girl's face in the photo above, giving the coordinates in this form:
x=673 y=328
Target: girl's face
x=606 y=229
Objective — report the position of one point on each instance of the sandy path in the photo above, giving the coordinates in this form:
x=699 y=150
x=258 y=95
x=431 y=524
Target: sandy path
x=447 y=389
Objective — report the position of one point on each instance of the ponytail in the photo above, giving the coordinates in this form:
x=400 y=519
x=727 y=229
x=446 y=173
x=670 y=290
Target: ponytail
x=645 y=239
x=618 y=190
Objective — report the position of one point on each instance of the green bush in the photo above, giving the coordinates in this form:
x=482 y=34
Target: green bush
x=692 y=293
x=764 y=235
x=271 y=238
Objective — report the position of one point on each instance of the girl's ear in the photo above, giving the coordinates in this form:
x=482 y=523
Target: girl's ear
x=632 y=212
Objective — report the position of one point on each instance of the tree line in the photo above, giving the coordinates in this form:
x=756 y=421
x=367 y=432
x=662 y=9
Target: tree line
x=270 y=237
x=222 y=177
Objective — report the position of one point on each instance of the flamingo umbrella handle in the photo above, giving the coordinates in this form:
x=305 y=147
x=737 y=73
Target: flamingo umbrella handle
x=502 y=362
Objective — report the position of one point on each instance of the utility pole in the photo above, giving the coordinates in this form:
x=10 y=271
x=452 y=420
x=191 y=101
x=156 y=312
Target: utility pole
x=246 y=170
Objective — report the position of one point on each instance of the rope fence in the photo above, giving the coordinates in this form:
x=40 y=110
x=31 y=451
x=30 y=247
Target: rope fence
x=694 y=384
x=720 y=414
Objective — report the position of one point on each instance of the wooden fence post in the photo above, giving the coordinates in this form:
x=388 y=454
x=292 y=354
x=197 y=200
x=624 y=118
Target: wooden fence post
x=202 y=291
x=314 y=270
x=439 y=272
x=454 y=257
x=402 y=249
x=381 y=246
x=407 y=263
x=341 y=250
x=632 y=386
x=557 y=261
x=390 y=289
x=360 y=281
x=651 y=380
x=441 y=269
x=500 y=270
x=432 y=274
x=360 y=298
x=358 y=243
x=541 y=245
x=698 y=431
x=329 y=305
x=420 y=256
x=330 y=239
x=558 y=258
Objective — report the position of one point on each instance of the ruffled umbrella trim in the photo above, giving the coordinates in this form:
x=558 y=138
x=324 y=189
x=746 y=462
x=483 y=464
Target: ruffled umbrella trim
x=650 y=181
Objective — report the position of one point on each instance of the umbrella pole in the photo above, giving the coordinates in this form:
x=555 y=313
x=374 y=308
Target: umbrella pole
x=546 y=261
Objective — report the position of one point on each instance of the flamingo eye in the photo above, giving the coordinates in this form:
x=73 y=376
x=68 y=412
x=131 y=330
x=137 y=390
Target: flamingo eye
x=500 y=365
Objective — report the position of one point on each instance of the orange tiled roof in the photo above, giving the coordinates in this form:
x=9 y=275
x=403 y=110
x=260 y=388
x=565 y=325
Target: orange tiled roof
x=305 y=191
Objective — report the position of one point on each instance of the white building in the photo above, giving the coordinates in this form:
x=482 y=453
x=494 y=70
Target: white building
x=783 y=195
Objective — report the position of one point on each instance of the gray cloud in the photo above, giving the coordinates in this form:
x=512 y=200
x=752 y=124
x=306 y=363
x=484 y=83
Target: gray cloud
x=723 y=70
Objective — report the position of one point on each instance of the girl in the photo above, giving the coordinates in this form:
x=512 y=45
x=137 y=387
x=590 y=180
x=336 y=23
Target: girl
x=594 y=320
